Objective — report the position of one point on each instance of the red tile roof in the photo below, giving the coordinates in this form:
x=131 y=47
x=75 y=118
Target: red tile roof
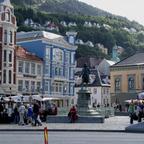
x=24 y=54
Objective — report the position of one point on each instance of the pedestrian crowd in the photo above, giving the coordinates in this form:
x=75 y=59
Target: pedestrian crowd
x=20 y=113
x=136 y=110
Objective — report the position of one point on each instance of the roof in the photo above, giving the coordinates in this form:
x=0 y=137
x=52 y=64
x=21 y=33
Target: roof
x=23 y=54
x=97 y=81
x=47 y=36
x=110 y=62
x=6 y=3
x=136 y=59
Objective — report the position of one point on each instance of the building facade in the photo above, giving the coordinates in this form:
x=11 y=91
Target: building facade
x=8 y=29
x=127 y=78
x=29 y=72
x=58 y=62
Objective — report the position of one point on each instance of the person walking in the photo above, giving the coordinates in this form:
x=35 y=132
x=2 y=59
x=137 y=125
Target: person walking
x=36 y=110
x=29 y=114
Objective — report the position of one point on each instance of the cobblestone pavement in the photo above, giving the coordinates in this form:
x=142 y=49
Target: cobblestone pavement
x=117 y=123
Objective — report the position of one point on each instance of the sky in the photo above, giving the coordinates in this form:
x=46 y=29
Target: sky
x=132 y=9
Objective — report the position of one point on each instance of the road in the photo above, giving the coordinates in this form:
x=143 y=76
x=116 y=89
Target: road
x=71 y=138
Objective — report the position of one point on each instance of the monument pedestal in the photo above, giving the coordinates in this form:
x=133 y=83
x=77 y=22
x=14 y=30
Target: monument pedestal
x=83 y=104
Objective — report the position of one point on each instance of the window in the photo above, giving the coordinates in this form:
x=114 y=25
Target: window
x=10 y=56
x=57 y=87
x=33 y=68
x=47 y=53
x=117 y=84
x=131 y=83
x=58 y=55
x=10 y=77
x=143 y=83
x=5 y=36
x=72 y=57
x=46 y=86
x=4 y=76
x=27 y=86
x=27 y=67
x=95 y=91
x=39 y=86
x=72 y=73
x=32 y=86
x=7 y=16
x=20 y=67
x=39 y=69
x=56 y=71
x=47 y=69
x=67 y=72
x=11 y=37
x=71 y=89
x=5 y=55
x=20 y=85
x=67 y=57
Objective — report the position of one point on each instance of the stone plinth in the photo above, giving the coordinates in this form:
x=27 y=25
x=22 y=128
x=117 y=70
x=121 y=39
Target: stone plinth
x=83 y=104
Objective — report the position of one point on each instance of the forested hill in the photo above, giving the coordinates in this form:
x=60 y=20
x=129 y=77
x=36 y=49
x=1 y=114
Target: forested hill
x=62 y=6
x=92 y=24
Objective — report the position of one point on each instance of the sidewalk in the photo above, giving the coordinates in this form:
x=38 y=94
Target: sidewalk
x=112 y=124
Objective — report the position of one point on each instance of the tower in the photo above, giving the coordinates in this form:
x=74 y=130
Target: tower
x=8 y=28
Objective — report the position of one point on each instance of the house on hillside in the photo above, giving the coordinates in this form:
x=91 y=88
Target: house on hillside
x=102 y=48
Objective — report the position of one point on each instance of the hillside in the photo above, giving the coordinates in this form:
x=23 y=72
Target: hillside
x=62 y=6
x=103 y=28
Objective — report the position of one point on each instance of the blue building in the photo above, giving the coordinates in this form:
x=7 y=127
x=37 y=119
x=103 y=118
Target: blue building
x=58 y=56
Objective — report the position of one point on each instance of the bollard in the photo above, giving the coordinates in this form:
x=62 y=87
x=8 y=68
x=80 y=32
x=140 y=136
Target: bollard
x=45 y=135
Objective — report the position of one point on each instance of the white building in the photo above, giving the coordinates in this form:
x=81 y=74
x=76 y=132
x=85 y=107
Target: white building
x=8 y=28
x=29 y=72
x=100 y=92
x=104 y=67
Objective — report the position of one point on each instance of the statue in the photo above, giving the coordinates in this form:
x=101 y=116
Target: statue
x=85 y=74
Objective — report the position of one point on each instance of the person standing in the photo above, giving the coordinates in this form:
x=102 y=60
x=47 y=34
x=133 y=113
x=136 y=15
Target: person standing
x=36 y=110
x=29 y=114
x=16 y=115
x=22 y=114
x=131 y=111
